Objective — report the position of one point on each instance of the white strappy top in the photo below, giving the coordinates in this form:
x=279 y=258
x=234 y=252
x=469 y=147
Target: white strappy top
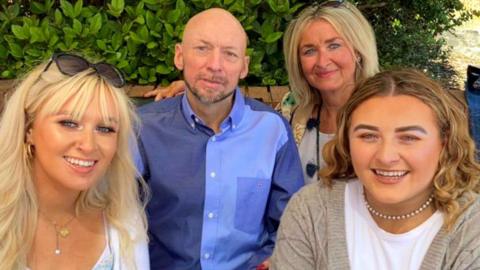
x=108 y=260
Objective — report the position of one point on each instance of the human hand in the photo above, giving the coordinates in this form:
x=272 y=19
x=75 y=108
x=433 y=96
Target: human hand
x=173 y=89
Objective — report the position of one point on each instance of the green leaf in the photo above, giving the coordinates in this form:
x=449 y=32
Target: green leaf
x=78 y=8
x=169 y=29
x=173 y=16
x=67 y=9
x=295 y=8
x=117 y=41
x=130 y=11
x=143 y=71
x=122 y=64
x=77 y=26
x=15 y=50
x=36 y=35
x=62 y=46
x=90 y=11
x=279 y=6
x=34 y=52
x=73 y=45
x=126 y=27
x=19 y=32
x=162 y=69
x=69 y=32
x=152 y=45
x=238 y=6
x=95 y=23
x=180 y=5
x=30 y=21
x=6 y=74
x=58 y=17
x=53 y=40
x=46 y=28
x=135 y=38
x=140 y=20
x=48 y=5
x=37 y=8
x=143 y=34
x=118 y=5
x=139 y=10
x=150 y=19
x=155 y=34
x=273 y=37
x=102 y=44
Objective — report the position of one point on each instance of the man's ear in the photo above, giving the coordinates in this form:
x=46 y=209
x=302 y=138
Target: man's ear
x=178 y=58
x=244 y=71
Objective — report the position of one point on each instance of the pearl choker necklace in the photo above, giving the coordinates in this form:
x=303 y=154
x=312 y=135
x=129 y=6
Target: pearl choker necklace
x=409 y=215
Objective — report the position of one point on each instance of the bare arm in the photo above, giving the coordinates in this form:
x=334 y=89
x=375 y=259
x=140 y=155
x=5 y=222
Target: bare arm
x=174 y=89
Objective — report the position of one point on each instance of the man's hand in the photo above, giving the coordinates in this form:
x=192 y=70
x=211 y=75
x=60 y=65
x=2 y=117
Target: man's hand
x=174 y=89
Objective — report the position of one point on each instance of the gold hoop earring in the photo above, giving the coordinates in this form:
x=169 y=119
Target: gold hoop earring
x=28 y=150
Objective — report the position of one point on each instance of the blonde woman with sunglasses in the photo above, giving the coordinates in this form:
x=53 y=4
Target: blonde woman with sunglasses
x=68 y=194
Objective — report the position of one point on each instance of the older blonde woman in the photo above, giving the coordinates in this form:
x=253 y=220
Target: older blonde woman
x=400 y=188
x=68 y=194
x=328 y=48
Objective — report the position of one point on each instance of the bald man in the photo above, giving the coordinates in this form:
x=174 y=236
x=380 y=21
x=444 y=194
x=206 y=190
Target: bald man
x=221 y=166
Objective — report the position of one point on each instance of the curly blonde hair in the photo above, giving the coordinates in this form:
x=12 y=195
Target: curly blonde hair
x=350 y=24
x=117 y=193
x=457 y=177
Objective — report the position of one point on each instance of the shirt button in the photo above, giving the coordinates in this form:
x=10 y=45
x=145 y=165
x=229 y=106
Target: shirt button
x=214 y=138
x=196 y=120
x=206 y=256
x=211 y=215
x=192 y=125
x=213 y=174
x=233 y=126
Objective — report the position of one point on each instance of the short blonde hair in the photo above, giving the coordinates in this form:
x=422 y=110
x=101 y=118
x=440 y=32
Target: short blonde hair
x=350 y=24
x=457 y=177
x=117 y=193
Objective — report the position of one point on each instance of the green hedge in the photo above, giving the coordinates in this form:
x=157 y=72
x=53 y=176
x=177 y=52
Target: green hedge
x=139 y=36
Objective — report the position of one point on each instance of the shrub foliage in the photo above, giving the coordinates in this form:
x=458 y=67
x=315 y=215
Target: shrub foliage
x=139 y=36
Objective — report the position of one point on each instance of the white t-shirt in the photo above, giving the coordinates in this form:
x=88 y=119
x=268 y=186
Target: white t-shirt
x=370 y=247
x=308 y=151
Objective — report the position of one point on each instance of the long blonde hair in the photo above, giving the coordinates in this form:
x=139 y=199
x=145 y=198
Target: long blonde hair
x=350 y=24
x=457 y=178
x=117 y=193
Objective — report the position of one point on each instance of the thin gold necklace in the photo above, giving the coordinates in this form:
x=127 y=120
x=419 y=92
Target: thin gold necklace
x=61 y=230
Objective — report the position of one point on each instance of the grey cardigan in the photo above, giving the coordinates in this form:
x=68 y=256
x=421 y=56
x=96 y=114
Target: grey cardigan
x=312 y=234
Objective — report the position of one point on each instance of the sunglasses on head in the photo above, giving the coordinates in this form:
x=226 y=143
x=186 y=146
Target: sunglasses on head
x=70 y=64
x=330 y=3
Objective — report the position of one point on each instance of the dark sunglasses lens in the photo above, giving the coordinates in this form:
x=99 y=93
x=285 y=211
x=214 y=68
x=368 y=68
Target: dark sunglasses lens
x=71 y=64
x=111 y=74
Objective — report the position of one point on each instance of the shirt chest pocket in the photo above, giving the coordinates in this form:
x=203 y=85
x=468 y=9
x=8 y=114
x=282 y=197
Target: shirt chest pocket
x=252 y=196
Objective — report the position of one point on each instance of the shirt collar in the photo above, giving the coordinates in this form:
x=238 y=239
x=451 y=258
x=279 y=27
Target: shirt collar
x=233 y=119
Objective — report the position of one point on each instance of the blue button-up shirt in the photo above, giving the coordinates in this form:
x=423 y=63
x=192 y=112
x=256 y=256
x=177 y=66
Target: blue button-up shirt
x=216 y=198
